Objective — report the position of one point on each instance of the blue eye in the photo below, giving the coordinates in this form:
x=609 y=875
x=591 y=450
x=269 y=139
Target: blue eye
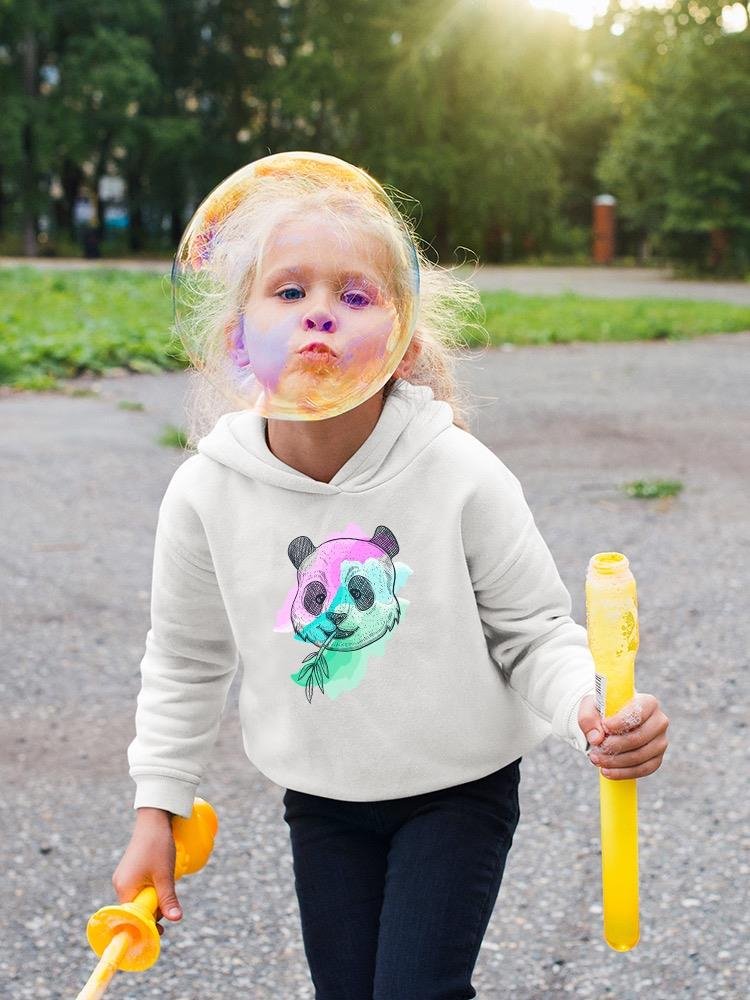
x=356 y=299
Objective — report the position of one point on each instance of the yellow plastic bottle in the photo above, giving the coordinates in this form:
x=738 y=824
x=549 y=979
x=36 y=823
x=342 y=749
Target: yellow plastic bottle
x=612 y=625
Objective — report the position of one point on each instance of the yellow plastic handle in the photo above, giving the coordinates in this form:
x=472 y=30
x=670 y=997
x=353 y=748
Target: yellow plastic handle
x=124 y=935
x=612 y=625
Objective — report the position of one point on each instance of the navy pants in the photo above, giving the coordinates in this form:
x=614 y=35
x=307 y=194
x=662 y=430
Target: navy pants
x=395 y=895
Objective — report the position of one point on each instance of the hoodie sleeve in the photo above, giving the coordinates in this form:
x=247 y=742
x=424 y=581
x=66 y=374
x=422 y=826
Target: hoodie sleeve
x=188 y=666
x=524 y=606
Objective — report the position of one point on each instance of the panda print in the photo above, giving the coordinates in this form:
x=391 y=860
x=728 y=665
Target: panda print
x=345 y=599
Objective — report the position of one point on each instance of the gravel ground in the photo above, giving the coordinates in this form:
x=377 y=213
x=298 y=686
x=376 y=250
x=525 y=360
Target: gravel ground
x=81 y=482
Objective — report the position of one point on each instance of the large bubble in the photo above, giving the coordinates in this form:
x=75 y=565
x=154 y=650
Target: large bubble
x=295 y=287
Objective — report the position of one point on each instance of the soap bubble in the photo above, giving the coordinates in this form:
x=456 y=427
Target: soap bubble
x=295 y=287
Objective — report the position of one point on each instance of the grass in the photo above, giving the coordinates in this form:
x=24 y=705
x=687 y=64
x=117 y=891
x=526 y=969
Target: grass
x=173 y=437
x=59 y=324
x=653 y=489
x=541 y=319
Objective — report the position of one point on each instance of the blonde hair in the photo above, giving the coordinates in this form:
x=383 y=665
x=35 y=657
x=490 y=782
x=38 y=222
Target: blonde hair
x=207 y=299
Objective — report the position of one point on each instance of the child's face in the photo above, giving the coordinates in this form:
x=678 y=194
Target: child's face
x=319 y=286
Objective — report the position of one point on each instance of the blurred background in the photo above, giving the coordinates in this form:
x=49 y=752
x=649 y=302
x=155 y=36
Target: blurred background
x=558 y=152
x=504 y=119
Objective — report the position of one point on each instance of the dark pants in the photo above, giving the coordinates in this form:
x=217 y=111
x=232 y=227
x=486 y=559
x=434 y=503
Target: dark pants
x=395 y=895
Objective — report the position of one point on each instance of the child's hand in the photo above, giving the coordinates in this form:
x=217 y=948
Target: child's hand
x=629 y=744
x=149 y=860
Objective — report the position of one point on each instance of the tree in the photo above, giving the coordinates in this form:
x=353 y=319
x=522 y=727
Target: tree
x=679 y=159
x=23 y=29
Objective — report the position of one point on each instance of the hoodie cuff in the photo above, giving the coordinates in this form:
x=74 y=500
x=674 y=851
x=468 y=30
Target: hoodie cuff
x=570 y=732
x=160 y=791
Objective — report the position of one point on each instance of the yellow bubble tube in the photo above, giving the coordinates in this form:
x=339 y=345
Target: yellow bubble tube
x=125 y=936
x=612 y=625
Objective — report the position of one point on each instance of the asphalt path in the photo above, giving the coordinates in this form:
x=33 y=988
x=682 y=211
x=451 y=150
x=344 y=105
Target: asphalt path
x=80 y=485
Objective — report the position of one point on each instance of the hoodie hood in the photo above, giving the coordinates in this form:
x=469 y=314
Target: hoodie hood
x=411 y=418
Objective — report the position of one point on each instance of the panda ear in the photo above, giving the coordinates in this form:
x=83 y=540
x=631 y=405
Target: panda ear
x=385 y=539
x=299 y=549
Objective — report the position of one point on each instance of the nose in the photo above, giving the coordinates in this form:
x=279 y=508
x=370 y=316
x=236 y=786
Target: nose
x=336 y=616
x=319 y=318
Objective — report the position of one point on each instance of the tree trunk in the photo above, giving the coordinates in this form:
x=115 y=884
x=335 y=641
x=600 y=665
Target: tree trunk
x=135 y=211
x=28 y=146
x=176 y=226
x=70 y=179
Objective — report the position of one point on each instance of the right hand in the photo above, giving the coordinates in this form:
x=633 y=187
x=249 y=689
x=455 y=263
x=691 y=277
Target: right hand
x=149 y=859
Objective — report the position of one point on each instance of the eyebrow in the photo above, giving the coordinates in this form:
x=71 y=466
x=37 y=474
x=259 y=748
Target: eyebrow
x=303 y=271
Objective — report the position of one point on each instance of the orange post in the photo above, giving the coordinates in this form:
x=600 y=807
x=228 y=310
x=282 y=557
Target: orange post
x=604 y=229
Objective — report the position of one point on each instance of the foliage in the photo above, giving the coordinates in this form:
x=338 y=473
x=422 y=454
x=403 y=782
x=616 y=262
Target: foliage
x=498 y=121
x=679 y=158
x=63 y=324
x=442 y=99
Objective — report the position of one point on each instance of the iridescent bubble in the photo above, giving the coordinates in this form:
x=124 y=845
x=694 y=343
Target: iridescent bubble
x=295 y=287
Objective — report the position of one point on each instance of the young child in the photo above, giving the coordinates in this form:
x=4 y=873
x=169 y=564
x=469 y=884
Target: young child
x=404 y=633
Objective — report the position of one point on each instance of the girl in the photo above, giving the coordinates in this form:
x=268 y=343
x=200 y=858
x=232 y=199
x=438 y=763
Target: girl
x=436 y=645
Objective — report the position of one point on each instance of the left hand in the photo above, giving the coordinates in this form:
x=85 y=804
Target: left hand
x=629 y=744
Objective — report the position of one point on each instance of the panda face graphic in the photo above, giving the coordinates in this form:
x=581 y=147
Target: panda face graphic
x=345 y=590
x=345 y=594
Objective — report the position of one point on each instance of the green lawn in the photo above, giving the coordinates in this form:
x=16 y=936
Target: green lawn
x=554 y=319
x=57 y=324
x=62 y=323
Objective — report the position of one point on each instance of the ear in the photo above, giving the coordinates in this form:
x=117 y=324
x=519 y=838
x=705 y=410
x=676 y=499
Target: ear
x=406 y=364
x=236 y=346
x=385 y=539
x=299 y=549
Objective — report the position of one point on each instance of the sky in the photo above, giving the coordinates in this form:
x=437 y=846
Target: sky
x=582 y=12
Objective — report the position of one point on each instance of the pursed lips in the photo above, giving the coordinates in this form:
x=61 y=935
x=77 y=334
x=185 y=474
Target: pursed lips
x=317 y=347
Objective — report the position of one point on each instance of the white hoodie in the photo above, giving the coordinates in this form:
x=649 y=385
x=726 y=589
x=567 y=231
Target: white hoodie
x=402 y=628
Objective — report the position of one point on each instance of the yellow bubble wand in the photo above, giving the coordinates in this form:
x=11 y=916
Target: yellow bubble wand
x=612 y=625
x=125 y=936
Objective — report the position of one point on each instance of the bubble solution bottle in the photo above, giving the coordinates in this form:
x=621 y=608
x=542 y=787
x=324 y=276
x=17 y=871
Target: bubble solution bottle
x=612 y=625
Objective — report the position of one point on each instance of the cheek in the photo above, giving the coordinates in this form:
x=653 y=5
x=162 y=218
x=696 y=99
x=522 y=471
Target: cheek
x=371 y=330
x=376 y=322
x=268 y=339
x=364 y=348
x=264 y=316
